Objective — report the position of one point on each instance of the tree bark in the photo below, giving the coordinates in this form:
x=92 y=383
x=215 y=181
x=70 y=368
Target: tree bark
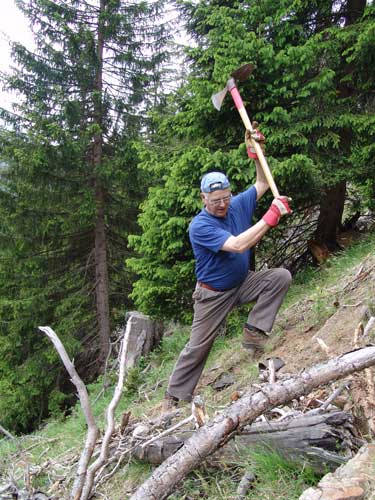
x=330 y=215
x=101 y=257
x=143 y=336
x=323 y=440
x=354 y=10
x=102 y=279
x=242 y=412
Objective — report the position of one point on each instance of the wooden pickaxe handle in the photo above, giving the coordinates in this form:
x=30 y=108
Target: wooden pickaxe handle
x=246 y=121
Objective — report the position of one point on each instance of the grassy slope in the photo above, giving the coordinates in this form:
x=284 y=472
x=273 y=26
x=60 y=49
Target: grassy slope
x=60 y=440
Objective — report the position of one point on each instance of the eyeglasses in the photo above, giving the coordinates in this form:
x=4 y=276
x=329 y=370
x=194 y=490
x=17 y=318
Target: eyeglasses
x=217 y=203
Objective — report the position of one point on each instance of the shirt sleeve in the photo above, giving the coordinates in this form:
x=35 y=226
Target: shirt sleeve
x=207 y=235
x=247 y=200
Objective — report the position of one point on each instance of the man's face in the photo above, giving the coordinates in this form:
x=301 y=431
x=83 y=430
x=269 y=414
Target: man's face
x=217 y=202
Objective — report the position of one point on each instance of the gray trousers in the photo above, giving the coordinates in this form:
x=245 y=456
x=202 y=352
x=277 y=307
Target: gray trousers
x=267 y=288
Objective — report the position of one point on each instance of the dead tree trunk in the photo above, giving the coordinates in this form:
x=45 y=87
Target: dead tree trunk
x=244 y=411
x=323 y=440
x=92 y=429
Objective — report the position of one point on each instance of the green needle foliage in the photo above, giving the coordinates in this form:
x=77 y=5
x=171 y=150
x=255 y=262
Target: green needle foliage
x=69 y=190
x=311 y=90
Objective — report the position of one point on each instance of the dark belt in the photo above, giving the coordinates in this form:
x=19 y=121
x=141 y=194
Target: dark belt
x=209 y=287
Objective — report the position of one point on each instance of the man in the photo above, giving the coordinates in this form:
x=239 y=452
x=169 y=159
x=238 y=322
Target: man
x=222 y=235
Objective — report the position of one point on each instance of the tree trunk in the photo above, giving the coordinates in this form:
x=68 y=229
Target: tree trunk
x=101 y=257
x=143 y=336
x=102 y=281
x=333 y=199
x=218 y=431
x=330 y=215
x=323 y=440
x=354 y=10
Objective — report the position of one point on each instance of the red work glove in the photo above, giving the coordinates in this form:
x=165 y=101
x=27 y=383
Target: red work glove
x=278 y=208
x=257 y=136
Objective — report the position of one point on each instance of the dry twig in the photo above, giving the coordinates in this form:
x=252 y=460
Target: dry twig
x=323 y=346
x=369 y=326
x=330 y=399
x=244 y=485
x=6 y=433
x=272 y=370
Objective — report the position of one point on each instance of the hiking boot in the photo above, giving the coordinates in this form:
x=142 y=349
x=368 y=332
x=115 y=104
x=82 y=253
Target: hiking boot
x=254 y=340
x=170 y=403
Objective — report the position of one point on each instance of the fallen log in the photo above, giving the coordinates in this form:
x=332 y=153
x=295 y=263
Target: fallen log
x=245 y=410
x=324 y=440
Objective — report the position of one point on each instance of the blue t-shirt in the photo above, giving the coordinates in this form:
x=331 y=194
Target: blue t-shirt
x=219 y=269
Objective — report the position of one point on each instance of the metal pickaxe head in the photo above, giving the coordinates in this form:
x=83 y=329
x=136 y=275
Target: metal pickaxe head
x=239 y=74
x=217 y=99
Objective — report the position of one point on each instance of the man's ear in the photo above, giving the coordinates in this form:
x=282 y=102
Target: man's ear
x=203 y=198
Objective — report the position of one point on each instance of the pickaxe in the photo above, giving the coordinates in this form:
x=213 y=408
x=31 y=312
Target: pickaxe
x=241 y=74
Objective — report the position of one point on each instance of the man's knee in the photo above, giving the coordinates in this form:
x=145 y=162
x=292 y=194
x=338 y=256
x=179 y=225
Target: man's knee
x=283 y=277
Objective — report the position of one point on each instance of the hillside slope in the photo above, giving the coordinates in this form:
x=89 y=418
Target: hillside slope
x=331 y=314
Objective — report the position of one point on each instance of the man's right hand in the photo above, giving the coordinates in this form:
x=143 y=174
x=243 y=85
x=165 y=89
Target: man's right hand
x=278 y=208
x=256 y=136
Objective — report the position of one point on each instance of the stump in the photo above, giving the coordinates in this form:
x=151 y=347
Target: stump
x=143 y=336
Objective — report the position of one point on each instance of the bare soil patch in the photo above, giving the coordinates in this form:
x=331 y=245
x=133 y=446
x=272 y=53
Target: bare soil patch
x=333 y=321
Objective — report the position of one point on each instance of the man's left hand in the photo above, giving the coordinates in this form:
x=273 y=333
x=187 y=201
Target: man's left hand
x=278 y=208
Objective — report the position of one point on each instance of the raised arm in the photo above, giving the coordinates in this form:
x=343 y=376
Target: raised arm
x=261 y=184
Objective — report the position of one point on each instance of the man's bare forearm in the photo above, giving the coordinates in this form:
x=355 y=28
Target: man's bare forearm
x=261 y=184
x=247 y=239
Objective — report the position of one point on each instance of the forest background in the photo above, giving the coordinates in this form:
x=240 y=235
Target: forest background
x=101 y=156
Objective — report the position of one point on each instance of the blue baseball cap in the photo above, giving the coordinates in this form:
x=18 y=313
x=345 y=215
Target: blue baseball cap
x=214 y=181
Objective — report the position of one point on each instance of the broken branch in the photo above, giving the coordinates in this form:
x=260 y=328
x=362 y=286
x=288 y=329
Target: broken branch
x=104 y=451
x=92 y=429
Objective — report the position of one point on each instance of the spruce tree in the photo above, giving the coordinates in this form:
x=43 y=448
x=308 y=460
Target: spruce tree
x=313 y=95
x=71 y=188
